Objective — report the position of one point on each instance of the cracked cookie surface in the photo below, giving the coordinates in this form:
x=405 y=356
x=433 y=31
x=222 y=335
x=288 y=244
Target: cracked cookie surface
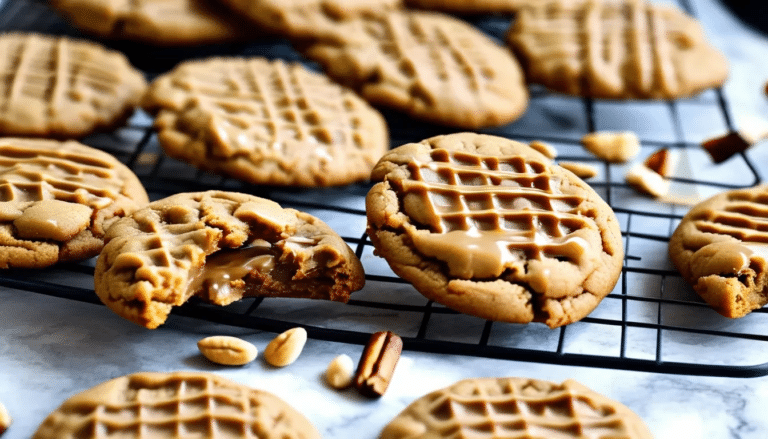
x=431 y=66
x=720 y=248
x=266 y=122
x=624 y=49
x=64 y=87
x=57 y=200
x=492 y=228
x=220 y=247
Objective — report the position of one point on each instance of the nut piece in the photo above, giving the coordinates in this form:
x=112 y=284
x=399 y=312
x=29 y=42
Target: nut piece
x=614 y=147
x=647 y=181
x=286 y=347
x=377 y=364
x=724 y=147
x=544 y=148
x=661 y=162
x=580 y=169
x=339 y=373
x=5 y=419
x=229 y=351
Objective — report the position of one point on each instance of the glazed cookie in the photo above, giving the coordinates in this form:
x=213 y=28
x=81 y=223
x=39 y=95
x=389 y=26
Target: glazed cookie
x=515 y=407
x=719 y=247
x=617 y=50
x=175 y=405
x=305 y=18
x=157 y=22
x=431 y=66
x=221 y=247
x=64 y=88
x=492 y=228
x=470 y=6
x=57 y=199
x=266 y=122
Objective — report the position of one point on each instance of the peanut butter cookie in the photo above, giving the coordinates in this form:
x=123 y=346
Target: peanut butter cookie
x=515 y=407
x=305 y=18
x=266 y=122
x=720 y=248
x=156 y=22
x=175 y=405
x=57 y=200
x=221 y=247
x=64 y=88
x=631 y=49
x=431 y=66
x=492 y=228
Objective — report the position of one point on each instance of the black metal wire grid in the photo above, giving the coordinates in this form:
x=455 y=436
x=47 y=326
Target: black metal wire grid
x=652 y=321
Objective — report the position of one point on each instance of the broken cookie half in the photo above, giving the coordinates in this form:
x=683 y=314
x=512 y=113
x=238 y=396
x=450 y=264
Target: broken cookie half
x=221 y=247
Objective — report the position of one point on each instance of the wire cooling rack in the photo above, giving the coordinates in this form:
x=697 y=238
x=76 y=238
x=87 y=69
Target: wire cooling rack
x=652 y=321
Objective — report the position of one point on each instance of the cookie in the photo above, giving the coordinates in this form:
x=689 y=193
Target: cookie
x=64 y=88
x=266 y=122
x=616 y=50
x=156 y=22
x=433 y=67
x=220 y=247
x=175 y=405
x=492 y=228
x=57 y=200
x=469 y=6
x=719 y=247
x=304 y=18
x=515 y=407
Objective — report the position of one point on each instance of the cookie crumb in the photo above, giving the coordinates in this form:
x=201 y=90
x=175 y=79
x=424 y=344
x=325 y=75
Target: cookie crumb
x=580 y=169
x=647 y=181
x=5 y=419
x=613 y=147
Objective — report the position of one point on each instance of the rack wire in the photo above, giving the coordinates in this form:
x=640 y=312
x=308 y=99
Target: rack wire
x=652 y=321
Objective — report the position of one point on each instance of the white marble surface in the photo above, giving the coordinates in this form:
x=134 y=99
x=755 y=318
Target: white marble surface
x=52 y=348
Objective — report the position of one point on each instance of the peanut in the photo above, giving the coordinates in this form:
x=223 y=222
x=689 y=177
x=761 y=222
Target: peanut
x=229 y=351
x=286 y=347
x=377 y=364
x=5 y=419
x=339 y=373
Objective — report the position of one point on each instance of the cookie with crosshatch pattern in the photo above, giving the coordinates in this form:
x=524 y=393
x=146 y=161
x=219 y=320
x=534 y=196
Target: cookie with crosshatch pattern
x=57 y=200
x=219 y=246
x=720 y=249
x=175 y=405
x=304 y=18
x=266 y=122
x=515 y=407
x=64 y=88
x=157 y=22
x=492 y=228
x=629 y=49
x=431 y=66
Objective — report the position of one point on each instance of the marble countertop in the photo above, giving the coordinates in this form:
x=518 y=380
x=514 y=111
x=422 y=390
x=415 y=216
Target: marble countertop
x=51 y=348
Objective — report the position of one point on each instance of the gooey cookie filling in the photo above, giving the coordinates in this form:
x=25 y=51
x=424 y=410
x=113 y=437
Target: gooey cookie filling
x=230 y=274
